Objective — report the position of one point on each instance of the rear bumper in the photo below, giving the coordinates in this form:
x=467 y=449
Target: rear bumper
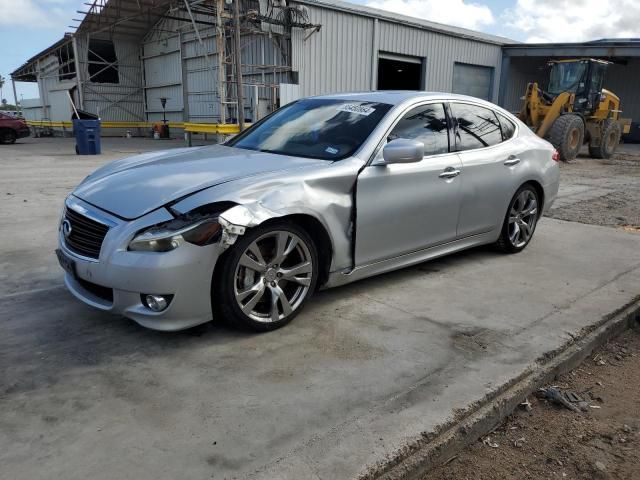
x=551 y=192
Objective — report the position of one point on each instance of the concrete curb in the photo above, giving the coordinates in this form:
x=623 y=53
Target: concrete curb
x=414 y=461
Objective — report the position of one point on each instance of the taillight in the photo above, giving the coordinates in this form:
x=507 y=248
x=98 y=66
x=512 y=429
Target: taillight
x=555 y=156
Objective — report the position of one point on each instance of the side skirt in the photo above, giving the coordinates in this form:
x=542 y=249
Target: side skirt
x=408 y=259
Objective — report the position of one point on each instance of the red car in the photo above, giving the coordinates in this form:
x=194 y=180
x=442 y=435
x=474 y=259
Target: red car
x=12 y=128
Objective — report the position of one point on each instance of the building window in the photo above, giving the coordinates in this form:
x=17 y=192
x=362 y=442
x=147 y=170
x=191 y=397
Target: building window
x=103 y=63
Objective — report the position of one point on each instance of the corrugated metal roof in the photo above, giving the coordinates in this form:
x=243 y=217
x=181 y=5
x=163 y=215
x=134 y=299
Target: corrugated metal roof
x=407 y=20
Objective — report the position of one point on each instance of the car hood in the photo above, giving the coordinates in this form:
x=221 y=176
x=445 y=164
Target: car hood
x=132 y=187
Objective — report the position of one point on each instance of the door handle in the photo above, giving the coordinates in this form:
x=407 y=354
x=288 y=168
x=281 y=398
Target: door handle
x=511 y=161
x=449 y=172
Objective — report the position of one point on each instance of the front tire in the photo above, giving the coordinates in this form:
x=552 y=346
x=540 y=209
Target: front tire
x=264 y=280
x=567 y=136
x=609 y=139
x=520 y=221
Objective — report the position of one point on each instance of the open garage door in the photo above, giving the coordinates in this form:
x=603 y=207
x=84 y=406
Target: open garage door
x=398 y=72
x=474 y=80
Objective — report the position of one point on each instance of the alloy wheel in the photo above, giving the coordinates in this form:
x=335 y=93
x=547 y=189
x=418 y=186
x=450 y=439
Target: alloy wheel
x=273 y=276
x=522 y=218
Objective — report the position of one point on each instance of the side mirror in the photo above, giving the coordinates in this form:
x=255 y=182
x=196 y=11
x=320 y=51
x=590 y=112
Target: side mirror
x=402 y=150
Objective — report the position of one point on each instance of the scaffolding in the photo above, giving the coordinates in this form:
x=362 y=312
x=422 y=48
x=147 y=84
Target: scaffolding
x=233 y=24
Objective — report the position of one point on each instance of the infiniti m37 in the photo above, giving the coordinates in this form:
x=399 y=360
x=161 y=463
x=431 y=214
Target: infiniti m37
x=322 y=192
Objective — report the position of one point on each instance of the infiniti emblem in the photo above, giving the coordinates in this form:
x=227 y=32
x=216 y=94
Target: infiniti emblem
x=66 y=228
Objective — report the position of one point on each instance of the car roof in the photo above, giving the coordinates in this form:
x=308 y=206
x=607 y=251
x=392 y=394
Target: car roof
x=396 y=97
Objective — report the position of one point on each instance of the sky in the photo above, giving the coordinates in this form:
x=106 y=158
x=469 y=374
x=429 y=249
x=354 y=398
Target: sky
x=29 y=26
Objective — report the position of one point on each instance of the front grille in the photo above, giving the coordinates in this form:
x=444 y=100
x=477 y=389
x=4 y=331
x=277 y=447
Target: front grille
x=86 y=235
x=99 y=291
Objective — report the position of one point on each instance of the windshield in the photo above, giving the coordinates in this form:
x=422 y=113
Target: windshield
x=326 y=129
x=566 y=77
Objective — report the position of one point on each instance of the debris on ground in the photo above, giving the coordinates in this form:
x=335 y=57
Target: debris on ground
x=554 y=441
x=487 y=441
x=526 y=405
x=558 y=397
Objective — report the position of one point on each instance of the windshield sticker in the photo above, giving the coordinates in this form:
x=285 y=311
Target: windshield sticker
x=331 y=150
x=354 y=108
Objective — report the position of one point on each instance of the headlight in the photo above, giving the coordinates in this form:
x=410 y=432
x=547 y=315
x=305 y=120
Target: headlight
x=170 y=235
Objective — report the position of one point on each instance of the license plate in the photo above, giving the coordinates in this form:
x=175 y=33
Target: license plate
x=66 y=263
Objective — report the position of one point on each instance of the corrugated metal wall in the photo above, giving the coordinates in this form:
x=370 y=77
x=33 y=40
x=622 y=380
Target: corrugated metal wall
x=522 y=70
x=54 y=103
x=114 y=101
x=342 y=56
x=441 y=53
x=338 y=58
x=175 y=66
x=624 y=81
x=162 y=63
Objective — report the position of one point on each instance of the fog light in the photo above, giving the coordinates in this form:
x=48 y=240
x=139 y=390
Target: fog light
x=157 y=303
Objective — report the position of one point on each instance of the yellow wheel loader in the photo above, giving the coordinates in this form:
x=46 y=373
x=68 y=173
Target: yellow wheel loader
x=574 y=109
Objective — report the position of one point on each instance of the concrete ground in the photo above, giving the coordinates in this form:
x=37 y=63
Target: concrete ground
x=366 y=369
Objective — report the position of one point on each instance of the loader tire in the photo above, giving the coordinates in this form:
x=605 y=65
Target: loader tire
x=567 y=135
x=609 y=139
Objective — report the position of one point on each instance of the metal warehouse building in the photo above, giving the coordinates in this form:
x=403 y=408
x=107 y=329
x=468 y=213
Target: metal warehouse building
x=125 y=56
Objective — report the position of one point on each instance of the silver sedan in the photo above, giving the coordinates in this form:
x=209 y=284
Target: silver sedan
x=323 y=192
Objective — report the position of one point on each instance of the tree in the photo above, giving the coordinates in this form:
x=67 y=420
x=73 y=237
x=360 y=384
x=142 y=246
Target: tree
x=2 y=80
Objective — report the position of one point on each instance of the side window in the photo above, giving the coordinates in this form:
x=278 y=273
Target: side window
x=476 y=127
x=427 y=124
x=508 y=128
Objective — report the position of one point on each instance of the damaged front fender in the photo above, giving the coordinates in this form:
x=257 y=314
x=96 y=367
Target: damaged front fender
x=323 y=193
x=237 y=219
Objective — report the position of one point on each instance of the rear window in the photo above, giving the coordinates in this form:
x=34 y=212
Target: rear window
x=508 y=128
x=476 y=127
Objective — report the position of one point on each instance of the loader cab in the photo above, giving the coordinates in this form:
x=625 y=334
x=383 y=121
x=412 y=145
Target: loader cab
x=582 y=77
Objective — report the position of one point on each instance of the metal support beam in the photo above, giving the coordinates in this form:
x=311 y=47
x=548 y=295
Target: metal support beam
x=374 y=59
x=15 y=95
x=238 y=63
x=568 y=50
x=504 y=78
x=222 y=97
x=76 y=59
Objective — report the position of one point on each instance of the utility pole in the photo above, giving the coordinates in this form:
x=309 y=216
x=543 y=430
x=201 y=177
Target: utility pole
x=238 y=62
x=220 y=50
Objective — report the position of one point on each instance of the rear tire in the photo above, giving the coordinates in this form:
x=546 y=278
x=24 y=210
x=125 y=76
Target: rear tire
x=263 y=281
x=609 y=139
x=520 y=221
x=567 y=135
x=7 y=136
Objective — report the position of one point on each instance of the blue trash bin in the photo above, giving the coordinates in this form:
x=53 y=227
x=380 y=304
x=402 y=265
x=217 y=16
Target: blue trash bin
x=87 y=133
